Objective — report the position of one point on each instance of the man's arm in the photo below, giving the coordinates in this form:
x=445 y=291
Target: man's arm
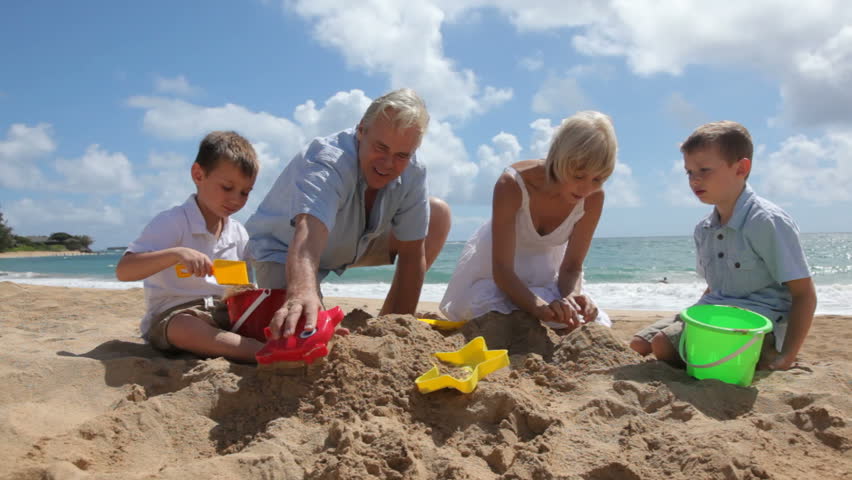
x=408 y=279
x=309 y=240
x=798 y=322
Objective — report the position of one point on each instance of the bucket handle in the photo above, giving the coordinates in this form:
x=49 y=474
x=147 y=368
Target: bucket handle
x=246 y=314
x=722 y=360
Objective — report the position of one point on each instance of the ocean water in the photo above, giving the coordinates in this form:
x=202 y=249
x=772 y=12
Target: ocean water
x=620 y=273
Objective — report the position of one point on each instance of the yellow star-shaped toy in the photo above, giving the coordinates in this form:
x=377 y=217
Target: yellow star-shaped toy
x=473 y=357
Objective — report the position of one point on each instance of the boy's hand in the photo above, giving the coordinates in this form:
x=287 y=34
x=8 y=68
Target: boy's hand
x=286 y=318
x=195 y=262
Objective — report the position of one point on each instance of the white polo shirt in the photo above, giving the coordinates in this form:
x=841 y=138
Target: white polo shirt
x=184 y=226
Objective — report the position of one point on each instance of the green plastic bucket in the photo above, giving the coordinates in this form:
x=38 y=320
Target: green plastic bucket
x=722 y=342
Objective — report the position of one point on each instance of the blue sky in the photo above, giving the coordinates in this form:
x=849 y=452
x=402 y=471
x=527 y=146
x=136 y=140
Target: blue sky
x=102 y=104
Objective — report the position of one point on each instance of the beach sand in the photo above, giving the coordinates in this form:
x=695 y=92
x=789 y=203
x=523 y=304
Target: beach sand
x=83 y=398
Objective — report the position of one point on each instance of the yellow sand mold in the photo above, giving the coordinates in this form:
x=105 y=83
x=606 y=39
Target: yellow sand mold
x=474 y=357
x=442 y=324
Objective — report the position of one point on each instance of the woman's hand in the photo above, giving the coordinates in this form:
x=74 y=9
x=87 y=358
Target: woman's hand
x=587 y=307
x=565 y=311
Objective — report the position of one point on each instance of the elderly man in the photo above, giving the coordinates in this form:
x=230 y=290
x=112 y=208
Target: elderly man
x=355 y=198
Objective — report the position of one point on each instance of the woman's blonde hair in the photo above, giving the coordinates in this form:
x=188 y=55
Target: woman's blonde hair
x=584 y=141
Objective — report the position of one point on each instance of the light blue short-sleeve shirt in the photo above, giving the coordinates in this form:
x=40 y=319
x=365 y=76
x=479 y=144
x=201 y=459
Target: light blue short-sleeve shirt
x=324 y=180
x=746 y=261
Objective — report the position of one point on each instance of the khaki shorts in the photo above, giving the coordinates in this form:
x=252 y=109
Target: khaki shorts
x=215 y=314
x=672 y=328
x=378 y=253
x=274 y=274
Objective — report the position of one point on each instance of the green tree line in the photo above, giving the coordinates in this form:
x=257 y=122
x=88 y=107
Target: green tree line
x=58 y=241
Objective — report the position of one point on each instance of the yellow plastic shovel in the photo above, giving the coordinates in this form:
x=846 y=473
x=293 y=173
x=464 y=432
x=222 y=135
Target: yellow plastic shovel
x=227 y=272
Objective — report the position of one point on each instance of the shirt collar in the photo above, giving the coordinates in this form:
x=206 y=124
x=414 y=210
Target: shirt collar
x=197 y=224
x=740 y=209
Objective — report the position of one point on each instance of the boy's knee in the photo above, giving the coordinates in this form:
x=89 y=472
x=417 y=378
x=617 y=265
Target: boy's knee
x=662 y=347
x=640 y=345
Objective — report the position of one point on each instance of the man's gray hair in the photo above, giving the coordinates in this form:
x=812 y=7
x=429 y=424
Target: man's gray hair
x=407 y=110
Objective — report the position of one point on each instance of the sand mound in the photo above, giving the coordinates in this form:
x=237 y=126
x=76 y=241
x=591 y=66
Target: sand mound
x=574 y=406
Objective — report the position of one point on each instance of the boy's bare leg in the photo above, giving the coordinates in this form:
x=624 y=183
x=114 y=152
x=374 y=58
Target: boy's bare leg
x=640 y=346
x=664 y=350
x=195 y=335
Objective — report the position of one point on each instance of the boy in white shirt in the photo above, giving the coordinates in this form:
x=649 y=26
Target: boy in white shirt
x=187 y=314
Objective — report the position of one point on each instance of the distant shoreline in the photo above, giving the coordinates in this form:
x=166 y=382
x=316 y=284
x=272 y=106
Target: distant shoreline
x=45 y=253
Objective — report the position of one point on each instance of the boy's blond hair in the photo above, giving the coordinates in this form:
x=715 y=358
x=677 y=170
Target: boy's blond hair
x=230 y=147
x=584 y=141
x=409 y=110
x=731 y=138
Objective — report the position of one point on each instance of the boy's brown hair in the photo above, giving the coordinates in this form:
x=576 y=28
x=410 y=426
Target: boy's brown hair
x=731 y=138
x=230 y=147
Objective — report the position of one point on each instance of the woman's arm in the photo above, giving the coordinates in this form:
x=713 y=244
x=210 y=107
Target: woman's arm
x=570 y=279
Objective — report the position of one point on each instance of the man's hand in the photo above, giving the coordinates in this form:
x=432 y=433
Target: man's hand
x=286 y=318
x=194 y=262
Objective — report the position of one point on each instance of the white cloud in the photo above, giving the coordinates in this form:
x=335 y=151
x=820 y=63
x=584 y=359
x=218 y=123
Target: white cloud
x=176 y=86
x=816 y=91
x=560 y=95
x=28 y=216
x=493 y=97
x=168 y=160
x=683 y=112
x=342 y=110
x=492 y=160
x=180 y=120
x=811 y=54
x=814 y=169
x=99 y=171
x=542 y=135
x=622 y=190
x=807 y=45
x=451 y=174
x=18 y=152
x=402 y=40
x=177 y=119
x=533 y=63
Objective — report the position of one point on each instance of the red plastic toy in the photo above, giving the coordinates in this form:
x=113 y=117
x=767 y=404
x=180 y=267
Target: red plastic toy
x=252 y=310
x=303 y=346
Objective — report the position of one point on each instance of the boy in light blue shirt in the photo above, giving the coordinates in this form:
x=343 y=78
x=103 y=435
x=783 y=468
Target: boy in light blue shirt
x=748 y=250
